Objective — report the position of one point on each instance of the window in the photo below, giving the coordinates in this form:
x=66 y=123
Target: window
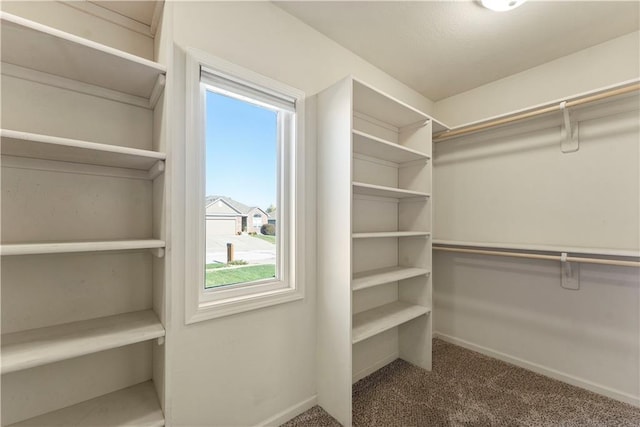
x=241 y=168
x=243 y=154
x=257 y=223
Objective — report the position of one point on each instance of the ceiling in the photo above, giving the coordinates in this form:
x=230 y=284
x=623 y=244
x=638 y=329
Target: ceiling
x=441 y=48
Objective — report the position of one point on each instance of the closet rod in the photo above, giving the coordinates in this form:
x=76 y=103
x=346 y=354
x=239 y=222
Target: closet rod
x=540 y=256
x=537 y=112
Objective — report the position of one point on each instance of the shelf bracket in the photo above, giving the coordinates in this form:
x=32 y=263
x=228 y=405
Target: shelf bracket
x=157 y=90
x=569 y=134
x=158 y=252
x=160 y=340
x=570 y=273
x=156 y=169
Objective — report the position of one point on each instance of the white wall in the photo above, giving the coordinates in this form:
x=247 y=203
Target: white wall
x=516 y=310
x=245 y=369
x=514 y=185
x=264 y=38
x=605 y=64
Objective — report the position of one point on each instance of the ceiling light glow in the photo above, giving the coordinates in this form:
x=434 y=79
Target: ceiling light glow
x=501 y=5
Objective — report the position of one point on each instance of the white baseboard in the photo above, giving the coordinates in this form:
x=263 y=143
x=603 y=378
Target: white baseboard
x=543 y=370
x=290 y=413
x=372 y=368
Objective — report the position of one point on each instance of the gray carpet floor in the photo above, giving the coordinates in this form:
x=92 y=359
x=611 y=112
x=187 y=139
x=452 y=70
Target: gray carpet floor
x=468 y=389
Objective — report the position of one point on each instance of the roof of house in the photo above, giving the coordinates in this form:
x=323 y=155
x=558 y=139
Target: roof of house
x=241 y=208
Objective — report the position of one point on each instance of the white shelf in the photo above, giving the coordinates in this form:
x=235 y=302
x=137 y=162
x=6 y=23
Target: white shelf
x=438 y=126
x=44 y=147
x=368 y=279
x=381 y=191
x=373 y=146
x=133 y=406
x=380 y=234
x=383 y=107
x=380 y=319
x=71 y=247
x=44 y=49
x=36 y=347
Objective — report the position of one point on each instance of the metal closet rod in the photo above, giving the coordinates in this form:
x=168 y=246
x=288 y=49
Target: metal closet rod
x=530 y=255
x=537 y=112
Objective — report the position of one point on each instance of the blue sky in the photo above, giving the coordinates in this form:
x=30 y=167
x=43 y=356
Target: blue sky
x=240 y=154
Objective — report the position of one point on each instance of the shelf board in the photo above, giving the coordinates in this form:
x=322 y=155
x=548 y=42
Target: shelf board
x=383 y=107
x=370 y=278
x=381 y=191
x=36 y=347
x=45 y=147
x=71 y=247
x=438 y=127
x=379 y=148
x=37 y=47
x=380 y=234
x=133 y=406
x=380 y=319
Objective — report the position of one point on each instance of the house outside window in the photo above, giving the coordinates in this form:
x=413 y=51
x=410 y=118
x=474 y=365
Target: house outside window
x=248 y=130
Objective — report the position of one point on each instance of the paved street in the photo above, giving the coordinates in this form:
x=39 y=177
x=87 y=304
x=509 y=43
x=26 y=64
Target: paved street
x=248 y=248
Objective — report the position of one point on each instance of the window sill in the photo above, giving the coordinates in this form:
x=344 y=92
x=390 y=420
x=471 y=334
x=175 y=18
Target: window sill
x=214 y=309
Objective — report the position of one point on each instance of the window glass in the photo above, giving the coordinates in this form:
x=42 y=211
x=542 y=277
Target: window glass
x=241 y=172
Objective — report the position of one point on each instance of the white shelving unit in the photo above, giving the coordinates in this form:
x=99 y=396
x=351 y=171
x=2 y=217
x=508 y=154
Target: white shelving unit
x=55 y=187
x=374 y=253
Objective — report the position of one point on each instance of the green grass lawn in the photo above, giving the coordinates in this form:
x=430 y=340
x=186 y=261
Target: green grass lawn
x=215 y=265
x=270 y=239
x=229 y=276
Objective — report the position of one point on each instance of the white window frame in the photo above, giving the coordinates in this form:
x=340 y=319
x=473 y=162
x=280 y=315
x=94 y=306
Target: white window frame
x=201 y=304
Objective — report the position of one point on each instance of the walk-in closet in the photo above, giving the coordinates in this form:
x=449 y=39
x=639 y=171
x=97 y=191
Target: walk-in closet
x=319 y=214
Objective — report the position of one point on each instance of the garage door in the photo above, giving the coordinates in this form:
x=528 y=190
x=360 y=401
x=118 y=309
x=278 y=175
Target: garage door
x=221 y=227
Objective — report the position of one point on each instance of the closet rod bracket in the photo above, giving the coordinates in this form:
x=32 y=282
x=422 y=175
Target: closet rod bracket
x=570 y=273
x=569 y=136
